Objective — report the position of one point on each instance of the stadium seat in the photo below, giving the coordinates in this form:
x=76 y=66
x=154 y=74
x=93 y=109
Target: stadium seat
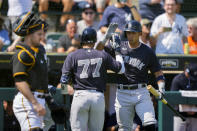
x=54 y=36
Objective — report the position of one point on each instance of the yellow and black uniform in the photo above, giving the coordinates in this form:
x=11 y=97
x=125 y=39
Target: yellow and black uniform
x=30 y=65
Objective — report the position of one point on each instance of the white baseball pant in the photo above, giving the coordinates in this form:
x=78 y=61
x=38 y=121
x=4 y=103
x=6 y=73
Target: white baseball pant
x=189 y=125
x=25 y=113
x=87 y=111
x=130 y=101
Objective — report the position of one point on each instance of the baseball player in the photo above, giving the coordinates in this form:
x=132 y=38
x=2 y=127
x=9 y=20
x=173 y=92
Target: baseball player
x=87 y=68
x=30 y=73
x=132 y=95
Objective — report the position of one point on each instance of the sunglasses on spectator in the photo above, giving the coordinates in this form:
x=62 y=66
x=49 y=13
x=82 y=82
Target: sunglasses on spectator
x=89 y=12
x=148 y=25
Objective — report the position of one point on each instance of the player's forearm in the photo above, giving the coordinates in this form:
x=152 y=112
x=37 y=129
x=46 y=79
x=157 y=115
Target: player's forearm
x=135 y=13
x=24 y=88
x=160 y=81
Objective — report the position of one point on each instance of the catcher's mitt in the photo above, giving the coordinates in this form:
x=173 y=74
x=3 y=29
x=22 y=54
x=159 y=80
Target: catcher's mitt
x=58 y=112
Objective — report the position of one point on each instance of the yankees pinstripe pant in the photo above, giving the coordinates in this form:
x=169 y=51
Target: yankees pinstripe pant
x=130 y=101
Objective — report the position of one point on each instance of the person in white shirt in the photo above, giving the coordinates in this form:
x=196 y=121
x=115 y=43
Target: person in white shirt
x=169 y=30
x=17 y=8
x=88 y=16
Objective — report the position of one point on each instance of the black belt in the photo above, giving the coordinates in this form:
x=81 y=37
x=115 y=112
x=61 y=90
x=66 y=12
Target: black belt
x=91 y=89
x=131 y=87
x=42 y=96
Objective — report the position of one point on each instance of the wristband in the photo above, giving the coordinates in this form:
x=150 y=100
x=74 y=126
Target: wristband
x=133 y=7
x=161 y=77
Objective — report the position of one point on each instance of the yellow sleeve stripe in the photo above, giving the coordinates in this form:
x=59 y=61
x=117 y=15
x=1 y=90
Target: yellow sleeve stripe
x=20 y=73
x=34 y=26
x=35 y=49
x=19 y=58
x=42 y=26
x=22 y=21
x=33 y=63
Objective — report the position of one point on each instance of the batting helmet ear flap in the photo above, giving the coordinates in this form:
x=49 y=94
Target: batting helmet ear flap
x=125 y=34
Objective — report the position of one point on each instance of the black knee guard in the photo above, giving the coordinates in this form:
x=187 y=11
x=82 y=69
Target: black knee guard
x=36 y=129
x=150 y=127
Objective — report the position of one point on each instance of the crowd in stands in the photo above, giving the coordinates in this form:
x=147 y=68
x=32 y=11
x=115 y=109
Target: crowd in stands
x=163 y=28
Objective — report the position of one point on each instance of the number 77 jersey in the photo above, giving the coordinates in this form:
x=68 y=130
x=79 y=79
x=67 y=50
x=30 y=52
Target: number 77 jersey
x=87 y=69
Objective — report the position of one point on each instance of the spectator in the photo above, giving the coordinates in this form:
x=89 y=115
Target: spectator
x=169 y=30
x=17 y=8
x=178 y=6
x=192 y=38
x=121 y=12
x=72 y=5
x=44 y=5
x=100 y=7
x=186 y=81
x=66 y=40
x=49 y=45
x=150 y=9
x=88 y=16
x=145 y=37
x=4 y=36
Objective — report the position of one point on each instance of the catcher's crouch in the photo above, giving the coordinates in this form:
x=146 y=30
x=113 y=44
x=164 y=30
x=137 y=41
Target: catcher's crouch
x=30 y=74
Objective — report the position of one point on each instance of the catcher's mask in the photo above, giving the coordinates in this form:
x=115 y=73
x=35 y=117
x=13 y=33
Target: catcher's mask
x=28 y=23
x=89 y=36
x=132 y=26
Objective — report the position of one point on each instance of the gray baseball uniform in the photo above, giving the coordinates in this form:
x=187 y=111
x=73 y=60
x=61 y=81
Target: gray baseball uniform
x=132 y=95
x=87 y=68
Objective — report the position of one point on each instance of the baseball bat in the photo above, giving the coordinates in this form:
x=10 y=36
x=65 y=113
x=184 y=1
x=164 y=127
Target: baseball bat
x=163 y=100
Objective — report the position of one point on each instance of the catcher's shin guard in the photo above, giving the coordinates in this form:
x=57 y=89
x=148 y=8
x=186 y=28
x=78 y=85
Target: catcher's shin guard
x=150 y=127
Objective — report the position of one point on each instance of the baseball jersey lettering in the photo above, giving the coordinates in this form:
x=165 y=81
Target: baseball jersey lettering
x=86 y=63
x=89 y=68
x=136 y=63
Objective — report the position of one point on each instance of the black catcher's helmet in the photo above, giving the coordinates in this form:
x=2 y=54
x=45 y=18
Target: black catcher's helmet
x=28 y=23
x=89 y=36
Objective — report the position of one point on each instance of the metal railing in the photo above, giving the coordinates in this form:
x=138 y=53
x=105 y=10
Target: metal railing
x=165 y=117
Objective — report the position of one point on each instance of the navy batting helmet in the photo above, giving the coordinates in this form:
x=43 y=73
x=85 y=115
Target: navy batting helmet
x=27 y=24
x=89 y=36
x=133 y=26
